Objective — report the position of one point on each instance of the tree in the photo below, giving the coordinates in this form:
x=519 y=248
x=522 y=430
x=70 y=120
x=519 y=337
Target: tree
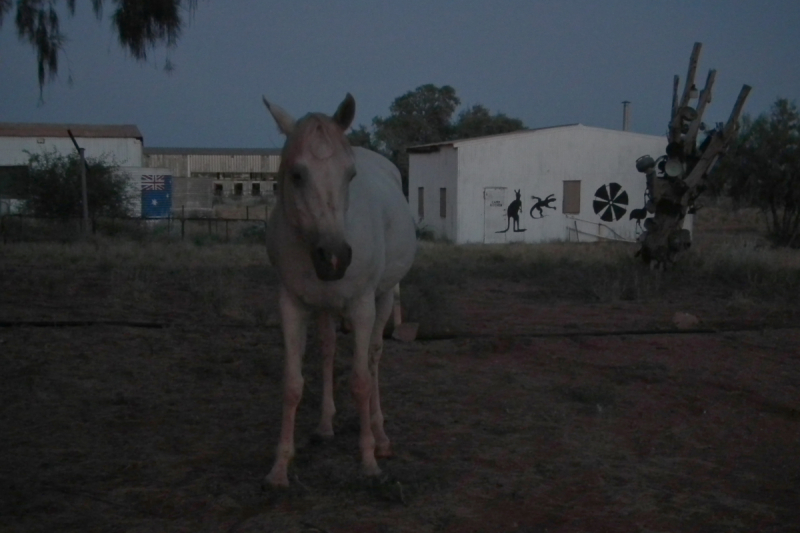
x=140 y=25
x=420 y=116
x=361 y=136
x=424 y=116
x=417 y=117
x=763 y=169
x=478 y=121
x=54 y=189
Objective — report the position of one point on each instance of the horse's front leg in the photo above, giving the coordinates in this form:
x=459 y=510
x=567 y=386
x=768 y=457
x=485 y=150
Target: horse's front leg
x=362 y=318
x=294 y=322
x=327 y=335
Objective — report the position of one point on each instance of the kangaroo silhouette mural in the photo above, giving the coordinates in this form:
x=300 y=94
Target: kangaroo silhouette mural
x=542 y=204
x=514 y=209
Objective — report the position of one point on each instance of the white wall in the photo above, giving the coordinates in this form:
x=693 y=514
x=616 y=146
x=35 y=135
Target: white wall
x=123 y=152
x=537 y=163
x=434 y=171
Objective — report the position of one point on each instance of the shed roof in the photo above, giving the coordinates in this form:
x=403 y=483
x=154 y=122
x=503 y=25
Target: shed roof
x=210 y=151
x=433 y=147
x=112 y=131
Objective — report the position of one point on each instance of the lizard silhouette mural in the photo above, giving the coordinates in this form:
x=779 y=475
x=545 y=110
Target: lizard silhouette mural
x=542 y=204
x=514 y=209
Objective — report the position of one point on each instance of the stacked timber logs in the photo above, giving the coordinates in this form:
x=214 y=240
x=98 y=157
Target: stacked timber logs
x=677 y=179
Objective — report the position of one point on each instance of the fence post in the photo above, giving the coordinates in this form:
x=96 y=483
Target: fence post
x=226 y=230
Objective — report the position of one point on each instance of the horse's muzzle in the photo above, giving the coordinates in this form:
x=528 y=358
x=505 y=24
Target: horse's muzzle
x=331 y=261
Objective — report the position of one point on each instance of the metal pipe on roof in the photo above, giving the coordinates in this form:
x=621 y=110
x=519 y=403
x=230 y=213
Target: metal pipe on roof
x=626 y=115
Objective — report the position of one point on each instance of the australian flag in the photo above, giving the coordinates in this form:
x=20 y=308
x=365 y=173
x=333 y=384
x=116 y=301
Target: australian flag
x=156 y=196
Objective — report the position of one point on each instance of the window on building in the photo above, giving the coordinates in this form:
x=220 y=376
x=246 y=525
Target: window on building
x=237 y=189
x=443 y=202
x=217 y=189
x=571 y=204
x=255 y=189
x=421 y=202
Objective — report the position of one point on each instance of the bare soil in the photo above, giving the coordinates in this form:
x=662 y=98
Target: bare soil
x=518 y=411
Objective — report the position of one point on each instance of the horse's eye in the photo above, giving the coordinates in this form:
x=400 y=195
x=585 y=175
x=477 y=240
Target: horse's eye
x=297 y=179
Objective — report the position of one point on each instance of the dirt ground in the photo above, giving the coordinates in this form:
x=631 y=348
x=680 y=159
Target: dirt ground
x=521 y=413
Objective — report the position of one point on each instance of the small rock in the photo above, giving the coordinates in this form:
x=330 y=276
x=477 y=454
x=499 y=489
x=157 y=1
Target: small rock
x=684 y=320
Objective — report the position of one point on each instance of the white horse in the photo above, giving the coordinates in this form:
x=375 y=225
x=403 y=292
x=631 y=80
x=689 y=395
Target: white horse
x=341 y=237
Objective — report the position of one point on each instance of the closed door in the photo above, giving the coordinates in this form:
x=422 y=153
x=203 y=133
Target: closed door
x=494 y=214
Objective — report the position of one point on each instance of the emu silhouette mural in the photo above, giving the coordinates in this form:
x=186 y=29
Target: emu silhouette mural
x=638 y=215
x=542 y=204
x=514 y=209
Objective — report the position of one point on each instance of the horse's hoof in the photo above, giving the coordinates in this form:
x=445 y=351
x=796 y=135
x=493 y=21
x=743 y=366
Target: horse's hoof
x=382 y=451
x=371 y=470
x=276 y=479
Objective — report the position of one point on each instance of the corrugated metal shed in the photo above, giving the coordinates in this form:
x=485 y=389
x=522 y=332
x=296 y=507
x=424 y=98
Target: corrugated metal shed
x=96 y=131
x=120 y=143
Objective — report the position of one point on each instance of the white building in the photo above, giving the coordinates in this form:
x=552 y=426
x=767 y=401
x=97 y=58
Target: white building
x=572 y=183
x=116 y=144
x=122 y=143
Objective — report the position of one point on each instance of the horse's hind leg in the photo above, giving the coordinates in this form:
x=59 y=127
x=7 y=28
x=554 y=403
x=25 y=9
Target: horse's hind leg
x=327 y=335
x=294 y=319
x=362 y=317
x=383 y=310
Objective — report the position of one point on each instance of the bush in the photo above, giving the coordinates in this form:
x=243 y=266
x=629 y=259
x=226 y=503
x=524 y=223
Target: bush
x=54 y=187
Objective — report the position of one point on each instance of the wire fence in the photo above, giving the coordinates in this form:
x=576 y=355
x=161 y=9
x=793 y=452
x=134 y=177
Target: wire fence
x=28 y=228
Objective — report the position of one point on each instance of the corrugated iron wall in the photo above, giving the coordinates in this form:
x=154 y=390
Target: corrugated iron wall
x=185 y=165
x=234 y=163
x=176 y=163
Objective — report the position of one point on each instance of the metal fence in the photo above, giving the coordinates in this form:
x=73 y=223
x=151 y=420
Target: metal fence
x=27 y=228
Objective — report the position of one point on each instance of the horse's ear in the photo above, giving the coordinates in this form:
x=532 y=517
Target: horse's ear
x=346 y=112
x=283 y=119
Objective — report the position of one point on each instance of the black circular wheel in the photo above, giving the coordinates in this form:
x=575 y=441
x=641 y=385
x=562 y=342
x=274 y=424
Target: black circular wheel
x=610 y=202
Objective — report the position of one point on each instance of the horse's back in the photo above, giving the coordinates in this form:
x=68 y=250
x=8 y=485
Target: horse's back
x=374 y=163
x=379 y=185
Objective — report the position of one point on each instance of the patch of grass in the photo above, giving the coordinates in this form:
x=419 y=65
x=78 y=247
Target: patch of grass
x=747 y=268
x=608 y=272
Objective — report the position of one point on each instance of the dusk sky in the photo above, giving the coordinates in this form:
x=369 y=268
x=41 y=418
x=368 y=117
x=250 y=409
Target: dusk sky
x=545 y=62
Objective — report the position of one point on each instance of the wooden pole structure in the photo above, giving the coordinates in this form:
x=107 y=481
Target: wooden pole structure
x=675 y=185
x=705 y=98
x=84 y=193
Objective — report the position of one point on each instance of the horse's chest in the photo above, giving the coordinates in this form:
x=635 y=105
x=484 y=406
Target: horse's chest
x=315 y=293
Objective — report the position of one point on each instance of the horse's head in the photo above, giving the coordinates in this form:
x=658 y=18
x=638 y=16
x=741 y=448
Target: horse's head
x=317 y=165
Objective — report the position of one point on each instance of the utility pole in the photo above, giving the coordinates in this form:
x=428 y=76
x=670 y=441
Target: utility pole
x=84 y=194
